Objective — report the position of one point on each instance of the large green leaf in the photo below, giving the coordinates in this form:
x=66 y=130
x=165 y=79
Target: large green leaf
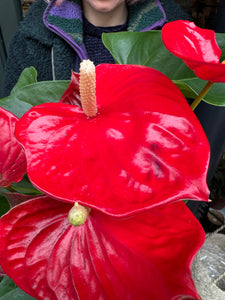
x=42 y=92
x=28 y=92
x=147 y=49
x=9 y=291
x=192 y=87
x=28 y=76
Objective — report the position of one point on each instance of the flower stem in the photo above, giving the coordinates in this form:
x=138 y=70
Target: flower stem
x=87 y=86
x=204 y=91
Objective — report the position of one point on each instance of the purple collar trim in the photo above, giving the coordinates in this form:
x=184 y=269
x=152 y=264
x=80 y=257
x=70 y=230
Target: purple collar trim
x=80 y=51
x=159 y=23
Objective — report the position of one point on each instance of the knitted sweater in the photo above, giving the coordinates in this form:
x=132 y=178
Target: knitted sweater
x=51 y=39
x=92 y=37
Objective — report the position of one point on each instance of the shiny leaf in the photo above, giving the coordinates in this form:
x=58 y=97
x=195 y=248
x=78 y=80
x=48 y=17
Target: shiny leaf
x=147 y=49
x=12 y=157
x=197 y=47
x=147 y=256
x=192 y=87
x=28 y=92
x=28 y=76
x=145 y=147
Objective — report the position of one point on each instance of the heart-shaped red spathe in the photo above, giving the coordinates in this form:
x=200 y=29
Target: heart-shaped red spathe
x=12 y=156
x=145 y=147
x=147 y=256
x=197 y=47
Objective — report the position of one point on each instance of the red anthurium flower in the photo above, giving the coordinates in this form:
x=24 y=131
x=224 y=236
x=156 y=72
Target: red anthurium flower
x=12 y=156
x=144 y=147
x=72 y=93
x=197 y=47
x=147 y=256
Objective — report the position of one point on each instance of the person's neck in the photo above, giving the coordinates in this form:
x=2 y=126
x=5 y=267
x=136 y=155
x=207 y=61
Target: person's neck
x=105 y=19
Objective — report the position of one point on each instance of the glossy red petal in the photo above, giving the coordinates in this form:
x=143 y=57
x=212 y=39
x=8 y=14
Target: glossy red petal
x=188 y=41
x=72 y=93
x=145 y=147
x=12 y=156
x=209 y=71
x=147 y=256
x=197 y=47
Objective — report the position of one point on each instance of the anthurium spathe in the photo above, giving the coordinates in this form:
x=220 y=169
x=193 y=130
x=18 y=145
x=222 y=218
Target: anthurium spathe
x=197 y=47
x=12 y=156
x=147 y=256
x=144 y=147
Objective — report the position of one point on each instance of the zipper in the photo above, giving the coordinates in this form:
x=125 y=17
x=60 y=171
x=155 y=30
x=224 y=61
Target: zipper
x=80 y=52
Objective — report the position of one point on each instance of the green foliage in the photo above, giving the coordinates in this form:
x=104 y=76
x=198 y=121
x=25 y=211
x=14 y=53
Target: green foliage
x=24 y=187
x=147 y=49
x=28 y=92
x=139 y=48
x=9 y=291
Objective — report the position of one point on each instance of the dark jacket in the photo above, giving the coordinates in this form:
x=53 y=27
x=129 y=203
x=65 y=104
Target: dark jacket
x=53 y=44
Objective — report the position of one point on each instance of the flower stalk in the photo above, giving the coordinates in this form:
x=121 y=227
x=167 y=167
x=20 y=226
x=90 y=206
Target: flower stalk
x=204 y=91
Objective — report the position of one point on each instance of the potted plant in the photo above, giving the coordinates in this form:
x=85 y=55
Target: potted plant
x=110 y=158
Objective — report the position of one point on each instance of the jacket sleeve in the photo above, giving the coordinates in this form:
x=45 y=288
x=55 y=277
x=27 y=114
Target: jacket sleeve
x=25 y=52
x=30 y=46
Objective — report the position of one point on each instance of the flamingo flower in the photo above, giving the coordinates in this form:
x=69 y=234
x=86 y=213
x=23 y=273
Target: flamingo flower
x=111 y=225
x=147 y=256
x=197 y=47
x=141 y=149
x=12 y=156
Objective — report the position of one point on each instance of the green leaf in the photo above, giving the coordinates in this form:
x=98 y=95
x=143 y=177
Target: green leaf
x=192 y=87
x=28 y=92
x=9 y=291
x=42 y=92
x=187 y=90
x=6 y=286
x=146 y=49
x=24 y=187
x=220 y=38
x=28 y=76
x=4 y=205
x=215 y=96
x=15 y=106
